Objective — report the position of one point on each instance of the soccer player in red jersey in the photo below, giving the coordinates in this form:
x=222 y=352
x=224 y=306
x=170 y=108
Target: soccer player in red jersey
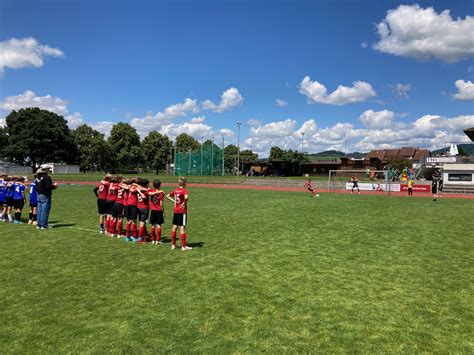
x=100 y=192
x=109 y=203
x=116 y=209
x=180 y=199
x=309 y=186
x=143 y=209
x=132 y=202
x=157 y=214
x=119 y=207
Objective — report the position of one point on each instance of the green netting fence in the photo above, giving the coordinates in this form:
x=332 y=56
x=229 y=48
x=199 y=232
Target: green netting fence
x=205 y=161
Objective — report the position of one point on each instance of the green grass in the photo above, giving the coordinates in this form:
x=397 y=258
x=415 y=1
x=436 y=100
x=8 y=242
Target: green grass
x=271 y=271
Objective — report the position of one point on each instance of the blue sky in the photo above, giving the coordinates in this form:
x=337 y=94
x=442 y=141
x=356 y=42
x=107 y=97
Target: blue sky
x=165 y=65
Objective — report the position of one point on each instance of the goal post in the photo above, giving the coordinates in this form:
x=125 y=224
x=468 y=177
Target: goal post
x=369 y=180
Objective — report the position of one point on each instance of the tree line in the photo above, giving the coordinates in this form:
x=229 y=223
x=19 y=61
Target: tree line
x=32 y=137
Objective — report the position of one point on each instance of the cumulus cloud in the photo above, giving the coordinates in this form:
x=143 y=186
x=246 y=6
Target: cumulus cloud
x=48 y=102
x=254 y=122
x=317 y=92
x=465 y=90
x=155 y=121
x=103 y=127
x=225 y=132
x=428 y=131
x=26 y=52
x=281 y=103
x=230 y=99
x=423 y=34
x=196 y=128
x=377 y=120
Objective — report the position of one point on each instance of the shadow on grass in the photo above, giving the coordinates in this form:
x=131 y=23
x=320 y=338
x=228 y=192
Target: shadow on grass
x=196 y=245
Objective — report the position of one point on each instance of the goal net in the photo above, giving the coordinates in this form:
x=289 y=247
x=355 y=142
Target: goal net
x=368 y=180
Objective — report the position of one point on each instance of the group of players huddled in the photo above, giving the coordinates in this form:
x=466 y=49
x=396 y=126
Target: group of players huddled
x=12 y=199
x=138 y=203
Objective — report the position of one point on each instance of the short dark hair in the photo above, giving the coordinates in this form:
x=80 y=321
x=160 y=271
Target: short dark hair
x=157 y=184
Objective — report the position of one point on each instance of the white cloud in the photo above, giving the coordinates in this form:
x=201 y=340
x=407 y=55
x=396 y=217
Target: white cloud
x=103 y=127
x=155 y=121
x=26 y=52
x=225 y=132
x=48 y=102
x=465 y=90
x=402 y=90
x=364 y=44
x=196 y=128
x=377 y=120
x=423 y=34
x=273 y=129
x=281 y=103
x=229 y=99
x=2 y=122
x=317 y=92
x=254 y=122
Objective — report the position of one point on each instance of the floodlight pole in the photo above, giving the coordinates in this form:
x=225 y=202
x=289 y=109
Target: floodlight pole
x=238 y=147
x=202 y=139
x=223 y=169
x=189 y=164
x=302 y=142
x=212 y=156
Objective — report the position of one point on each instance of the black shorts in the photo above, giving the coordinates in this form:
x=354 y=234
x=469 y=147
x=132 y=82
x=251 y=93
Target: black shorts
x=310 y=189
x=143 y=214
x=33 y=205
x=132 y=212
x=118 y=210
x=434 y=190
x=355 y=186
x=101 y=207
x=156 y=217
x=9 y=202
x=180 y=219
x=109 y=206
x=19 y=204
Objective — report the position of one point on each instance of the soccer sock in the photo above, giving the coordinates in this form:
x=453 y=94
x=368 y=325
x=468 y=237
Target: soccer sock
x=107 y=226
x=141 y=230
x=134 y=230
x=182 y=237
x=173 y=237
x=158 y=234
x=153 y=238
x=127 y=230
x=145 y=231
x=112 y=226
x=34 y=217
x=119 y=227
x=17 y=216
x=30 y=216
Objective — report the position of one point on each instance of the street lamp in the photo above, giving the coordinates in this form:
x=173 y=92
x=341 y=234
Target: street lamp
x=238 y=146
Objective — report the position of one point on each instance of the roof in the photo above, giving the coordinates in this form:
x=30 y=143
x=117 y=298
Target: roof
x=406 y=152
x=470 y=133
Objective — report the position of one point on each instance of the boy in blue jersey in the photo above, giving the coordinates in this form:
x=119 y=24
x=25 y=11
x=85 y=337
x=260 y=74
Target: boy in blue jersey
x=33 y=202
x=19 y=198
x=3 y=200
x=8 y=199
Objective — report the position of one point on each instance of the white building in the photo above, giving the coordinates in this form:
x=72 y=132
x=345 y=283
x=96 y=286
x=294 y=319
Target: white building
x=458 y=174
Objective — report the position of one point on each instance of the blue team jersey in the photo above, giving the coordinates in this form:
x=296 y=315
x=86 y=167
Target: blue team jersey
x=18 y=191
x=33 y=196
x=9 y=191
x=2 y=190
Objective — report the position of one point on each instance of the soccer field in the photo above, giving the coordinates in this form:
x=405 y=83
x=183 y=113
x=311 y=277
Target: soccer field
x=271 y=271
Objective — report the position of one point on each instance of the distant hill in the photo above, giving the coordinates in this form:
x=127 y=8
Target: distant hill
x=468 y=148
x=337 y=154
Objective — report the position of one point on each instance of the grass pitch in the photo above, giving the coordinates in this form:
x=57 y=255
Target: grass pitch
x=271 y=271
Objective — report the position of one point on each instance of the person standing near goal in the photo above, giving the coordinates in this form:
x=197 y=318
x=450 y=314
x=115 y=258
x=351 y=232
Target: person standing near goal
x=355 y=185
x=180 y=199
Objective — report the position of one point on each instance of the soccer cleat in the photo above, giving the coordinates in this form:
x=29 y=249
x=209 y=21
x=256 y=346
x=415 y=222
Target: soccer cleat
x=173 y=247
x=186 y=248
x=35 y=223
x=101 y=231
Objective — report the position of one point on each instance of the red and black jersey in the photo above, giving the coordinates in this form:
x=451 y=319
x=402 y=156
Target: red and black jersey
x=103 y=187
x=142 y=199
x=132 y=199
x=179 y=200
x=113 y=191
x=156 y=201
x=120 y=196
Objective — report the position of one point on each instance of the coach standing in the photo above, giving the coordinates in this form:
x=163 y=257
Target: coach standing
x=44 y=190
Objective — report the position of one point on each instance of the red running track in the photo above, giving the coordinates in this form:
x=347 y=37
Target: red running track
x=271 y=188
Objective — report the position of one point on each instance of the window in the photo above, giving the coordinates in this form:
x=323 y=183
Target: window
x=460 y=177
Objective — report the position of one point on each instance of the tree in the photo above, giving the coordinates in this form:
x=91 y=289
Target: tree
x=38 y=136
x=247 y=156
x=398 y=162
x=156 y=148
x=184 y=143
x=126 y=147
x=294 y=156
x=94 y=152
x=230 y=156
x=276 y=153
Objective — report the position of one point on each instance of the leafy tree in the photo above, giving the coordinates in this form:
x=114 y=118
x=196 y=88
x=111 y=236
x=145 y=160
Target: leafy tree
x=94 y=152
x=38 y=136
x=294 y=156
x=185 y=142
x=230 y=156
x=126 y=147
x=398 y=162
x=247 y=156
x=276 y=153
x=156 y=147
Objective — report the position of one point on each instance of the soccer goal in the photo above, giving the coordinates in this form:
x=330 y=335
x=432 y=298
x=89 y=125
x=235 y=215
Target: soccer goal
x=368 y=180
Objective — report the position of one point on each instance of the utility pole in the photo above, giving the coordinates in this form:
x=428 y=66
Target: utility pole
x=202 y=140
x=223 y=168
x=238 y=147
